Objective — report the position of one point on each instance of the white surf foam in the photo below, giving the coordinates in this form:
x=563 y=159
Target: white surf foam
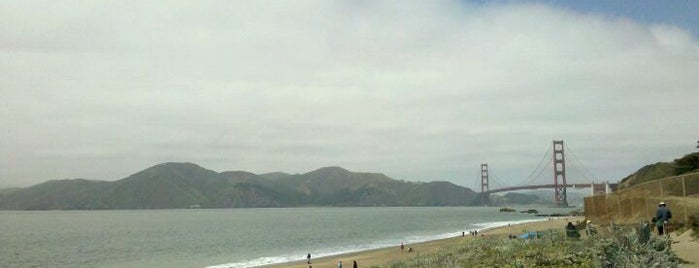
x=490 y=225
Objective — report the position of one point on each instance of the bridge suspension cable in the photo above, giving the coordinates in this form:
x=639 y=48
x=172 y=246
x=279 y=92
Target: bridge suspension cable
x=538 y=175
x=586 y=173
x=531 y=178
x=494 y=179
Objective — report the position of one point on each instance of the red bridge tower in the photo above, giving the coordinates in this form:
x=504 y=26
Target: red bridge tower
x=559 y=174
x=484 y=183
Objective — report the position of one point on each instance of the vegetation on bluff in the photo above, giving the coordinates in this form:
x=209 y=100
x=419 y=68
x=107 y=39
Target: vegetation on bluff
x=619 y=247
x=687 y=164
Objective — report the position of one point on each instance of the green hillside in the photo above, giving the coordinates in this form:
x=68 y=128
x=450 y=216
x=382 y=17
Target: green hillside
x=185 y=185
x=687 y=164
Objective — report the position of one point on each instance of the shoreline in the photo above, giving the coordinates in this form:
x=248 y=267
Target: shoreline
x=384 y=255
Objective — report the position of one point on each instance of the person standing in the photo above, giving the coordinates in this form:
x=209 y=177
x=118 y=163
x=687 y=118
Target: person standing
x=354 y=264
x=339 y=264
x=662 y=217
x=308 y=257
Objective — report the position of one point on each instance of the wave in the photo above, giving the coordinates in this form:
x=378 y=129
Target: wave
x=484 y=226
x=299 y=256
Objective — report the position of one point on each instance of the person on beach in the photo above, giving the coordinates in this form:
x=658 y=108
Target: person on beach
x=354 y=264
x=571 y=231
x=339 y=264
x=662 y=217
x=401 y=247
x=308 y=257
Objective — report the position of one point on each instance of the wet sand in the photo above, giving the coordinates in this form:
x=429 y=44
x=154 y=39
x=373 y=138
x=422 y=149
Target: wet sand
x=386 y=255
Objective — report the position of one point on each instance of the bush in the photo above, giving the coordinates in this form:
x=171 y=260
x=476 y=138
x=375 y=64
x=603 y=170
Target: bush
x=619 y=248
x=551 y=250
x=622 y=248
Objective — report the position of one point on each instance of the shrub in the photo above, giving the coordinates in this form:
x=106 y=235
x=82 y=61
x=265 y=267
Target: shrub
x=620 y=247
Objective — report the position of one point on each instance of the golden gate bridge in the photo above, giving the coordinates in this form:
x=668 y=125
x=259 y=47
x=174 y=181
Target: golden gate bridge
x=559 y=185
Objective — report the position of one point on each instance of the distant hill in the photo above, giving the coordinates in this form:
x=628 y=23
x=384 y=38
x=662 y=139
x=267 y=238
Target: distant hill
x=185 y=185
x=543 y=198
x=8 y=190
x=687 y=164
x=520 y=198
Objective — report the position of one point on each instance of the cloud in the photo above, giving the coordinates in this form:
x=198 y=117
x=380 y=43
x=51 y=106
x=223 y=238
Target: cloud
x=417 y=90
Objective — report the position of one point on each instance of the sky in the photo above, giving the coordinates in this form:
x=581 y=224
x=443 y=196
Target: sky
x=416 y=90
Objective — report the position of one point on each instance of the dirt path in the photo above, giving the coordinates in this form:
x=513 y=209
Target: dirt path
x=686 y=248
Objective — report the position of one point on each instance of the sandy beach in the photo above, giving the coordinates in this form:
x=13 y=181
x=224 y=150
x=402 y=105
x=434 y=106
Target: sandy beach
x=386 y=255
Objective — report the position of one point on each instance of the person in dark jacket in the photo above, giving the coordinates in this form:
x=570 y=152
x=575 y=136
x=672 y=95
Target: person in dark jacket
x=572 y=231
x=662 y=217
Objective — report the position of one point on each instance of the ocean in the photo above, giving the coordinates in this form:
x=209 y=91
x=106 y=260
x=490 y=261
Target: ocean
x=226 y=238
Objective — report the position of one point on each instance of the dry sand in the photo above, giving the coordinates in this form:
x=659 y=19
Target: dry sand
x=386 y=255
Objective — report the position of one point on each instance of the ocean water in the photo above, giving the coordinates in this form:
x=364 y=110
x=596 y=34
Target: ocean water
x=224 y=238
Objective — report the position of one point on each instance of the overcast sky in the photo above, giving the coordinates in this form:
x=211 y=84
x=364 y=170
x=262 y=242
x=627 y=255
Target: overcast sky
x=417 y=90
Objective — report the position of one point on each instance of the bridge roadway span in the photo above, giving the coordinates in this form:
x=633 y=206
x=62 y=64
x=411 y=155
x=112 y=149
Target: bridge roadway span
x=540 y=186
